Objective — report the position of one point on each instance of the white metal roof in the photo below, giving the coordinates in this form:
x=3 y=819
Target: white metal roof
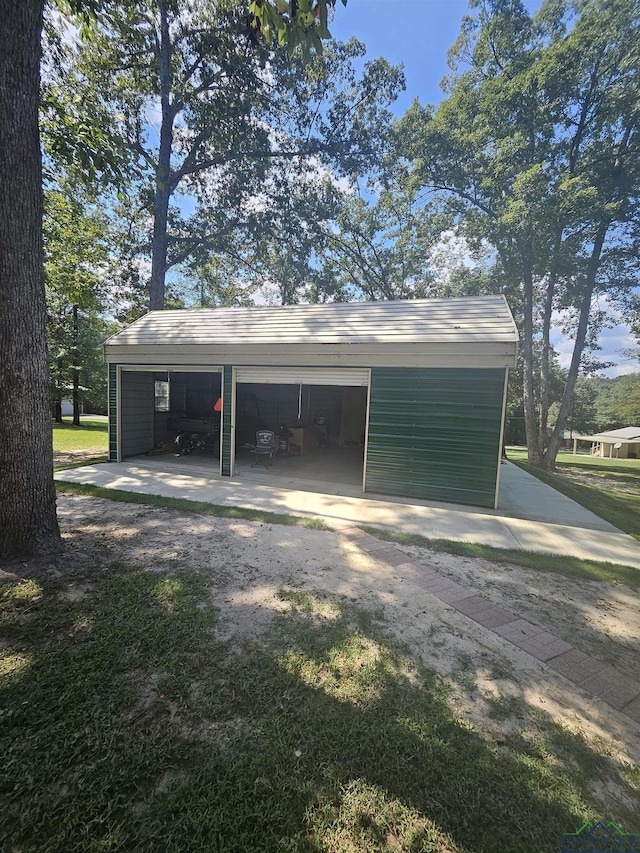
x=625 y=435
x=464 y=326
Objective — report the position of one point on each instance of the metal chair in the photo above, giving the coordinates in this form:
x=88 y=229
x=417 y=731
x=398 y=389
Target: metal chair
x=265 y=448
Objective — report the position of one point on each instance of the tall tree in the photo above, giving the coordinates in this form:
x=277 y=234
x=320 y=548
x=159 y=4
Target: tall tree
x=379 y=249
x=28 y=521
x=209 y=115
x=77 y=254
x=536 y=150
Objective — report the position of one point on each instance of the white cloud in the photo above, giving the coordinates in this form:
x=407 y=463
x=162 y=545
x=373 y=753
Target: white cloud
x=612 y=340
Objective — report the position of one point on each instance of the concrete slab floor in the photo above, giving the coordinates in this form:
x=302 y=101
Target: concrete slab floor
x=338 y=504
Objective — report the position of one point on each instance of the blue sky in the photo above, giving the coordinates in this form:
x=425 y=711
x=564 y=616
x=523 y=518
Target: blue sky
x=418 y=34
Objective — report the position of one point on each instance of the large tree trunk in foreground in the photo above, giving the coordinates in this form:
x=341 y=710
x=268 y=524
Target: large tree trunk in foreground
x=28 y=523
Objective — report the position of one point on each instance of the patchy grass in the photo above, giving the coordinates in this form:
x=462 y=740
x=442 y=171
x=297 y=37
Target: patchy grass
x=620 y=508
x=92 y=460
x=199 y=507
x=571 y=567
x=131 y=726
x=626 y=468
x=90 y=435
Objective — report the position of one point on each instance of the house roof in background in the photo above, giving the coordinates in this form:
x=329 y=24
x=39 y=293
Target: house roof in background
x=625 y=435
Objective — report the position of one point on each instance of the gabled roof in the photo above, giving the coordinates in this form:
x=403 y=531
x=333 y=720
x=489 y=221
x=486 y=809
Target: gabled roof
x=625 y=435
x=466 y=325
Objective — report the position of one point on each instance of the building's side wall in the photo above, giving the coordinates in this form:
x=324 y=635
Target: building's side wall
x=113 y=413
x=608 y=450
x=136 y=412
x=227 y=412
x=434 y=433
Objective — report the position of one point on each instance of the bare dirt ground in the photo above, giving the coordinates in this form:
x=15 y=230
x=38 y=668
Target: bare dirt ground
x=625 y=483
x=70 y=457
x=497 y=687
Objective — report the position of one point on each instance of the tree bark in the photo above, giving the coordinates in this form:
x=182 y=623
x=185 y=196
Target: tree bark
x=553 y=445
x=530 y=420
x=545 y=367
x=163 y=169
x=76 y=370
x=28 y=523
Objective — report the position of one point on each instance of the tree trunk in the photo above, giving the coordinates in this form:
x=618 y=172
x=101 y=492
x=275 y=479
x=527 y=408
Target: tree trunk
x=163 y=170
x=57 y=411
x=530 y=419
x=76 y=370
x=549 y=461
x=28 y=523
x=545 y=367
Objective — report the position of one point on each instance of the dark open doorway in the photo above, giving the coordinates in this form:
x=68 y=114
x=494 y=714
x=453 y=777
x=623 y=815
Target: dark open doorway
x=320 y=431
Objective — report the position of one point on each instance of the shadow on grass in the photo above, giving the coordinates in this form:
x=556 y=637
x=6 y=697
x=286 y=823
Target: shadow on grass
x=94 y=426
x=536 y=600
x=127 y=725
x=560 y=564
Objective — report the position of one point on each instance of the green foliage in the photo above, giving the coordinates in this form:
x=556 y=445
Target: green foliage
x=296 y=24
x=219 y=128
x=536 y=150
x=380 y=250
x=77 y=261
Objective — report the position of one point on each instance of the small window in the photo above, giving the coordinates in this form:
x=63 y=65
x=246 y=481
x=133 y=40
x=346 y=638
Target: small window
x=162 y=396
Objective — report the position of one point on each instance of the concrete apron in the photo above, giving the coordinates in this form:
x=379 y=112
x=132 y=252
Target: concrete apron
x=585 y=535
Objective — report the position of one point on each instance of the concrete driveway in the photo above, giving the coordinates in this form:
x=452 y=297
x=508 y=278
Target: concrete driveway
x=531 y=517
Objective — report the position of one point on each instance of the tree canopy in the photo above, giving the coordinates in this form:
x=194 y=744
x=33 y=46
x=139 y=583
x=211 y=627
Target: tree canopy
x=535 y=149
x=216 y=127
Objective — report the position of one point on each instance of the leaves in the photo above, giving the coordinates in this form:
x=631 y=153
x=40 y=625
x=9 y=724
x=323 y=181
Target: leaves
x=536 y=151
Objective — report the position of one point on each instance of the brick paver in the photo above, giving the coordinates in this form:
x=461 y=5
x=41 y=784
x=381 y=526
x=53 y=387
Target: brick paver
x=602 y=680
x=519 y=629
x=391 y=556
x=632 y=709
x=577 y=666
x=494 y=618
x=370 y=544
x=616 y=688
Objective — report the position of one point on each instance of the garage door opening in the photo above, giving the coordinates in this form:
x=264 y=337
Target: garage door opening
x=172 y=413
x=320 y=432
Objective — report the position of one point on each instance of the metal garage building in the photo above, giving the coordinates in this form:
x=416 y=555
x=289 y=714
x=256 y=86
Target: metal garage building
x=418 y=386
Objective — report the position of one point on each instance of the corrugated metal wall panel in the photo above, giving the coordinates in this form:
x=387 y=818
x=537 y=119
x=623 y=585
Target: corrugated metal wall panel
x=227 y=438
x=435 y=434
x=113 y=413
x=303 y=375
x=136 y=416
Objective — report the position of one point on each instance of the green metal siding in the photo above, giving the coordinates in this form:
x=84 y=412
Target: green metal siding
x=113 y=413
x=435 y=433
x=227 y=400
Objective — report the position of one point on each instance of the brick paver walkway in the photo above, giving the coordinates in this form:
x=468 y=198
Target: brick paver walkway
x=601 y=679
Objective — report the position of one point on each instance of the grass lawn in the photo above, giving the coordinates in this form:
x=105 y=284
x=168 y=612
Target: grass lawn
x=128 y=723
x=90 y=435
x=608 y=487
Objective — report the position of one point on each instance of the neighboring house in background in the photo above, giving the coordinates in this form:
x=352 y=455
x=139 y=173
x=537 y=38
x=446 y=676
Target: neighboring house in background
x=413 y=391
x=616 y=443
